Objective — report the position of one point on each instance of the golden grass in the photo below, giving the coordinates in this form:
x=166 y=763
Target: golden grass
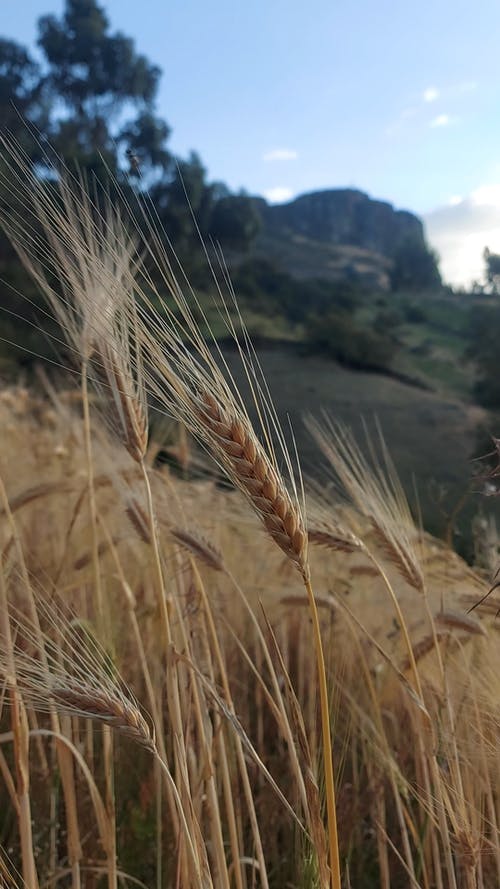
x=383 y=748
x=155 y=650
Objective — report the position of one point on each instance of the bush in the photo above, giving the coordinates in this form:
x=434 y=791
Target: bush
x=235 y=221
x=422 y=350
x=386 y=321
x=414 y=314
x=339 y=336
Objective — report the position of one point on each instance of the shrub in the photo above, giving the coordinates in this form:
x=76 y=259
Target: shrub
x=386 y=321
x=414 y=314
x=339 y=336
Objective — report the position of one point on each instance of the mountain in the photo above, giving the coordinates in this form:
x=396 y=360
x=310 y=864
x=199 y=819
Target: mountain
x=335 y=234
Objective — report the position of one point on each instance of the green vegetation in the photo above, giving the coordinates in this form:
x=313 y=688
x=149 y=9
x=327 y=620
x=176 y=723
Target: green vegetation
x=483 y=336
x=492 y=262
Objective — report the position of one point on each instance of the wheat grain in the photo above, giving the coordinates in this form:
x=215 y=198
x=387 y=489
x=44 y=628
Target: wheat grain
x=459 y=621
x=99 y=704
x=233 y=438
x=333 y=537
x=139 y=519
x=199 y=547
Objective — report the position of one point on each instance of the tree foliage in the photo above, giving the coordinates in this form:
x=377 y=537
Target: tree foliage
x=91 y=98
x=22 y=92
x=483 y=332
x=97 y=76
x=272 y=291
x=492 y=270
x=415 y=267
x=234 y=221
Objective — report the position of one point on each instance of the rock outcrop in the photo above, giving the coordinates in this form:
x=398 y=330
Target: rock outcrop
x=343 y=216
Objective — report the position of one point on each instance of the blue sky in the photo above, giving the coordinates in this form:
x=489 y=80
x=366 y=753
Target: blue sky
x=280 y=97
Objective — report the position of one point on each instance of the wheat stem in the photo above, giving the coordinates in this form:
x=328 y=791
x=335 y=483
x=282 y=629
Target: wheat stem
x=102 y=623
x=20 y=731
x=327 y=744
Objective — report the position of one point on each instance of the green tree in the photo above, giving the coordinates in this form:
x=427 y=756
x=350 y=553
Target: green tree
x=22 y=93
x=184 y=198
x=492 y=270
x=97 y=77
x=235 y=221
x=483 y=332
x=23 y=103
x=103 y=92
x=415 y=267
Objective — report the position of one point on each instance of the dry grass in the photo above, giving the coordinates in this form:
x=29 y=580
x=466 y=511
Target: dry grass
x=155 y=651
x=385 y=752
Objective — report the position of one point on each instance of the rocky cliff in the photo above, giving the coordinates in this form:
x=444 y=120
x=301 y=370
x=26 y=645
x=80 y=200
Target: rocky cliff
x=335 y=234
x=343 y=216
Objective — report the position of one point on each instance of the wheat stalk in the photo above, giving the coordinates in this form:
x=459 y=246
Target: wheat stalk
x=192 y=541
x=423 y=647
x=81 y=680
x=79 y=676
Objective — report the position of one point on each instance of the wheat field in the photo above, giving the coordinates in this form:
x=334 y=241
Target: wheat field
x=213 y=673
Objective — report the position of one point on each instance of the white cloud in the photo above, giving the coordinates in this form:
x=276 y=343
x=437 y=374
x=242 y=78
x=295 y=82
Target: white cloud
x=278 y=195
x=430 y=94
x=280 y=154
x=461 y=230
x=455 y=200
x=486 y=195
x=442 y=120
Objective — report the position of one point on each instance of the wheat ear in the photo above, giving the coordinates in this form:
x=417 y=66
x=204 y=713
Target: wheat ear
x=233 y=437
x=99 y=704
x=459 y=621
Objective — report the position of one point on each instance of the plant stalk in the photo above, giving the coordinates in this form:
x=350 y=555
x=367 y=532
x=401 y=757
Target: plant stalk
x=333 y=841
